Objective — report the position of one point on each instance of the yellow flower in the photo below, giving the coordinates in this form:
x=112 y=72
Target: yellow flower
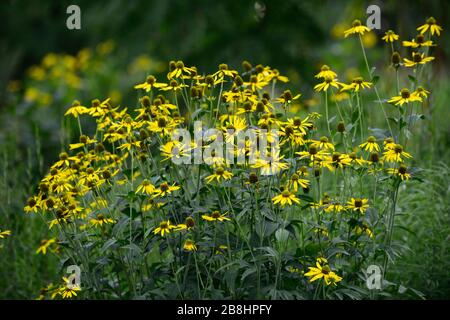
x=100 y=219
x=417 y=58
x=405 y=97
x=431 y=26
x=146 y=187
x=188 y=224
x=285 y=198
x=422 y=92
x=178 y=68
x=357 y=84
x=68 y=290
x=99 y=108
x=328 y=81
x=296 y=181
x=256 y=82
x=225 y=71
x=363 y=227
x=150 y=83
x=313 y=154
x=220 y=173
x=271 y=163
x=390 y=36
x=337 y=160
x=173 y=85
x=357 y=204
x=370 y=145
x=5 y=233
x=76 y=109
x=215 y=216
x=165 y=227
x=32 y=205
x=401 y=172
x=189 y=245
x=388 y=143
x=302 y=125
x=322 y=271
x=326 y=72
x=287 y=97
x=84 y=141
x=357 y=28
x=44 y=245
x=418 y=42
x=175 y=150
x=165 y=189
x=323 y=144
x=395 y=154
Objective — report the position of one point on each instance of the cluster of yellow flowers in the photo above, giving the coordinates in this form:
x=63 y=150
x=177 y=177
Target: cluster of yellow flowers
x=123 y=165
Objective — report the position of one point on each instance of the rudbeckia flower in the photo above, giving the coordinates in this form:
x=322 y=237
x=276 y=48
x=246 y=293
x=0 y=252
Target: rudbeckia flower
x=405 y=97
x=101 y=219
x=326 y=72
x=357 y=84
x=146 y=187
x=4 y=233
x=357 y=28
x=322 y=271
x=395 y=154
x=76 y=109
x=189 y=245
x=328 y=81
x=417 y=58
x=219 y=174
x=165 y=227
x=390 y=36
x=216 y=216
x=401 y=171
x=370 y=145
x=418 y=42
x=358 y=204
x=430 y=26
x=44 y=245
x=285 y=198
x=150 y=83
x=165 y=189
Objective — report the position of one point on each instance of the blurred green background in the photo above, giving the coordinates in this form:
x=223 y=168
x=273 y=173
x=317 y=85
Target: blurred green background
x=120 y=42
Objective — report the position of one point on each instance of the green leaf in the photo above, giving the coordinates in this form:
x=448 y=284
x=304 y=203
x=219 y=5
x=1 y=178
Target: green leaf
x=282 y=235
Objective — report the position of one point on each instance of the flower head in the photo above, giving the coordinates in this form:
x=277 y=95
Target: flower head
x=322 y=271
x=430 y=26
x=357 y=28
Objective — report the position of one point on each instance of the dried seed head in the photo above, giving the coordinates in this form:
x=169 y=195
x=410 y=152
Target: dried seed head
x=341 y=127
x=190 y=222
x=253 y=178
x=145 y=101
x=246 y=65
x=396 y=58
x=99 y=147
x=83 y=139
x=374 y=157
x=106 y=174
x=356 y=23
x=238 y=81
